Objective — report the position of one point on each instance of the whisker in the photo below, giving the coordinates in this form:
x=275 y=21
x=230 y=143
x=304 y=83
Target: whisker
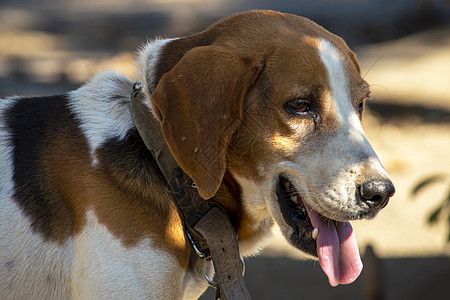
x=381 y=86
x=370 y=68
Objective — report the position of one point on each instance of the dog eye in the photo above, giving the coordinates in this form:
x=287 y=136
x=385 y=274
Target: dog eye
x=361 y=107
x=298 y=106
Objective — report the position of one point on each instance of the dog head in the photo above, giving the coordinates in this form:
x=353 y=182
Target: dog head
x=276 y=101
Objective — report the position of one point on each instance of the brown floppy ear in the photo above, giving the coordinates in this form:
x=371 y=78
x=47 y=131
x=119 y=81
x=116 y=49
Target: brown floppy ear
x=200 y=105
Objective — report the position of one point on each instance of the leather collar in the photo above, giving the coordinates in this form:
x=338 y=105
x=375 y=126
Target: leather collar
x=206 y=224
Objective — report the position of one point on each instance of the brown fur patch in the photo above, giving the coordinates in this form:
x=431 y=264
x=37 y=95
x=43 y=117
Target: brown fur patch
x=56 y=184
x=286 y=46
x=260 y=61
x=124 y=191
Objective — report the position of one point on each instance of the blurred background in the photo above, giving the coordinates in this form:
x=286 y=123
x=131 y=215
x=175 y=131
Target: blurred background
x=49 y=46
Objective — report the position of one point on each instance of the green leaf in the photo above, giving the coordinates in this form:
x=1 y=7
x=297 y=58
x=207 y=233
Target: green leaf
x=425 y=182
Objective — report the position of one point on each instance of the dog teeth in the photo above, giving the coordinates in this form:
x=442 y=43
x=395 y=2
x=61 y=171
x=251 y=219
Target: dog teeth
x=315 y=232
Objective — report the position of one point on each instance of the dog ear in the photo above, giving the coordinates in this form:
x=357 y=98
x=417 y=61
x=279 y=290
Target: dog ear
x=200 y=105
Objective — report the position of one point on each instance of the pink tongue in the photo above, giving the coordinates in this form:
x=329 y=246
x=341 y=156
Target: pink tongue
x=337 y=249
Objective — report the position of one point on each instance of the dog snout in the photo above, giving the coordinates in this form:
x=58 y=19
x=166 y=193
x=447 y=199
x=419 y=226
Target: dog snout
x=376 y=193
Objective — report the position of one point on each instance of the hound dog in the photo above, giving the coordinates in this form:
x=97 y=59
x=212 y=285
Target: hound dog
x=262 y=110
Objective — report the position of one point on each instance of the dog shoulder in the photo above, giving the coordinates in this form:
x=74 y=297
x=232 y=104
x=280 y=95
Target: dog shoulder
x=101 y=107
x=67 y=164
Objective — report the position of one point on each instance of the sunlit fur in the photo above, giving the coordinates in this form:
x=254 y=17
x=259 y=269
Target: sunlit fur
x=91 y=217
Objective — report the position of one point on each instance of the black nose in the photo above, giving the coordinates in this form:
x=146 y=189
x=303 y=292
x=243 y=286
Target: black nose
x=376 y=193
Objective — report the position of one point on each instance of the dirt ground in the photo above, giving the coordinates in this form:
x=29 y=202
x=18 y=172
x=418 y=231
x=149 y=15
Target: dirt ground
x=408 y=124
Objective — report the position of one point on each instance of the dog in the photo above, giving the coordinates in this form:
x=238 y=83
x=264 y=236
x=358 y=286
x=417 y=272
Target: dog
x=269 y=103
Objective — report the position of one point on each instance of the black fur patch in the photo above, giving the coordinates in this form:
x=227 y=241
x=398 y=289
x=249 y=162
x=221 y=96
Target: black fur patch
x=37 y=126
x=131 y=165
x=34 y=123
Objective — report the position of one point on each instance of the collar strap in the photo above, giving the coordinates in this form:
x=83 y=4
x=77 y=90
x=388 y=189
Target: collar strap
x=206 y=224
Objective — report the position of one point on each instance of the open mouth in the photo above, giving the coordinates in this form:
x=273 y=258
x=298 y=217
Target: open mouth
x=295 y=215
x=333 y=242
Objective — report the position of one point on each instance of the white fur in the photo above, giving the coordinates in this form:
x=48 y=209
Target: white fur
x=108 y=270
x=140 y=272
x=102 y=108
x=6 y=150
x=327 y=178
x=256 y=205
x=337 y=78
x=30 y=268
x=339 y=83
x=148 y=57
x=332 y=179
x=351 y=133
x=93 y=264
x=194 y=284
x=102 y=104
